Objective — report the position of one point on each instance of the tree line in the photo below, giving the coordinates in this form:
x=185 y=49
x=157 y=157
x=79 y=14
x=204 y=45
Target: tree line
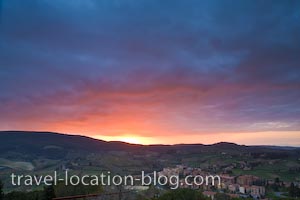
x=60 y=190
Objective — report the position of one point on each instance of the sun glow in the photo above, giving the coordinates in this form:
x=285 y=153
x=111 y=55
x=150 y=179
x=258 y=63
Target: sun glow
x=131 y=140
x=126 y=138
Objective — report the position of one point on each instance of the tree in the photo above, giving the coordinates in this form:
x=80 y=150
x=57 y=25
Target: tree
x=294 y=191
x=1 y=191
x=222 y=196
x=62 y=190
x=33 y=195
x=49 y=193
x=182 y=194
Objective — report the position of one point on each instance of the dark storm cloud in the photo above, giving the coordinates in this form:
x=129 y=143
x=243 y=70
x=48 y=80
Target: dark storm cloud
x=220 y=65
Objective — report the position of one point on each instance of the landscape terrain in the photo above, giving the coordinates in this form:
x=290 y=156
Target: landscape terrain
x=45 y=152
x=200 y=97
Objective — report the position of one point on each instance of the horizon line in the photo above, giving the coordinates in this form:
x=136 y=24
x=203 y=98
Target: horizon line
x=154 y=144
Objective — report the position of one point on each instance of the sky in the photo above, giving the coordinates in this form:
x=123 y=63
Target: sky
x=153 y=72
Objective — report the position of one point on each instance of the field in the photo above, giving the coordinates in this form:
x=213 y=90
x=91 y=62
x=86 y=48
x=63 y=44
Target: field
x=17 y=165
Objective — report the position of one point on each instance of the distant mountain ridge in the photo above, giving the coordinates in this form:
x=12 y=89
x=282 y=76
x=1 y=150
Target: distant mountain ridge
x=36 y=138
x=51 y=144
x=37 y=142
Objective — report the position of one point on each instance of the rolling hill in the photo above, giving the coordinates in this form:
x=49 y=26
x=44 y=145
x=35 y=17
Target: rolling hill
x=51 y=144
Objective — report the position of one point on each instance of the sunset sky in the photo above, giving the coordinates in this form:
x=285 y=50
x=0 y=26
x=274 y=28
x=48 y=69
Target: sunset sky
x=153 y=71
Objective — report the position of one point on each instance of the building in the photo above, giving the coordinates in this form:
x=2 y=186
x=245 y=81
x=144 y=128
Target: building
x=233 y=188
x=209 y=194
x=246 y=189
x=227 y=179
x=246 y=179
x=258 y=191
x=242 y=190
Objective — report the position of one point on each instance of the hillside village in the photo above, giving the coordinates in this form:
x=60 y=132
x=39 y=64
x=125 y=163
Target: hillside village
x=243 y=186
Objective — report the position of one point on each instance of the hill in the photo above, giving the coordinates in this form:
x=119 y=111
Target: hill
x=49 y=144
x=44 y=152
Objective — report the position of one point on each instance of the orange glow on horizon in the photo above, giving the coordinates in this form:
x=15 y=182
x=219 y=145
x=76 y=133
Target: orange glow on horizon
x=250 y=138
x=127 y=138
x=281 y=138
